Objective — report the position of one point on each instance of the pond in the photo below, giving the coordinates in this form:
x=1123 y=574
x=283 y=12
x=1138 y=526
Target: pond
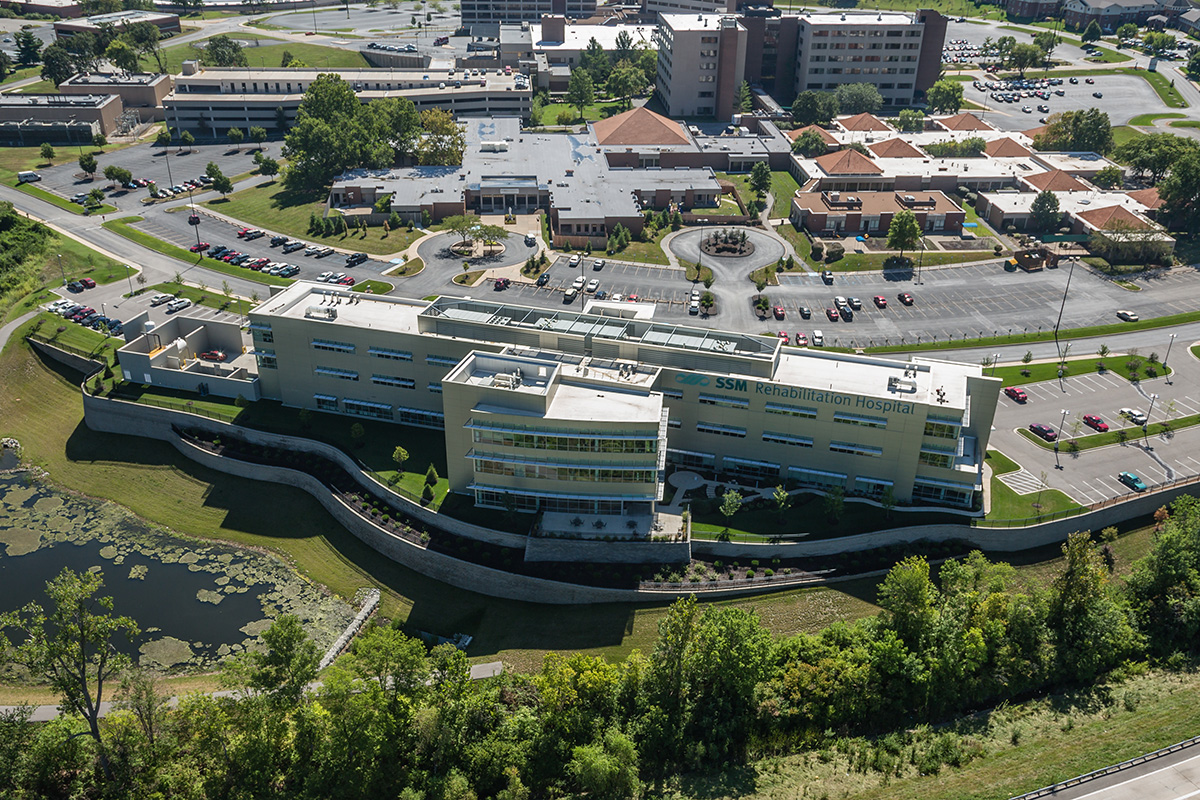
x=195 y=602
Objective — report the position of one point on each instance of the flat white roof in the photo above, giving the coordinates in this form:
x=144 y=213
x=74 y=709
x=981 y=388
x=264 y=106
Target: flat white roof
x=576 y=37
x=694 y=22
x=869 y=377
x=588 y=403
x=1072 y=202
x=860 y=18
x=320 y=302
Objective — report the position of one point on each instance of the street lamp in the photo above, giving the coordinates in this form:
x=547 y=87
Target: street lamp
x=1061 y=424
x=995 y=358
x=1167 y=369
x=921 y=260
x=129 y=277
x=1061 y=307
x=61 y=270
x=1146 y=424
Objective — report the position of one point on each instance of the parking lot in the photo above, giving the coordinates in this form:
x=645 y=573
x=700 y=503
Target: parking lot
x=149 y=162
x=1124 y=96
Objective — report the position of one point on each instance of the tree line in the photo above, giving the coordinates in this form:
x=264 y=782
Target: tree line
x=394 y=719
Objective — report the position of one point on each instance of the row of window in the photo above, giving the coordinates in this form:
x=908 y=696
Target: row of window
x=570 y=444
x=367 y=408
x=375 y=352
x=548 y=472
x=495 y=497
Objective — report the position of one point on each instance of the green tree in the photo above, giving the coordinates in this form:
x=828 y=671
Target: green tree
x=1157 y=42
x=268 y=166
x=580 y=91
x=1193 y=65
x=606 y=769
x=835 y=504
x=29 y=48
x=745 y=98
x=1127 y=31
x=1087 y=130
x=99 y=141
x=74 y=647
x=122 y=55
x=57 y=64
x=625 y=81
x=859 y=98
x=810 y=144
x=186 y=139
x=163 y=138
x=1092 y=32
x=47 y=152
x=760 y=178
x=258 y=135
x=117 y=175
x=1180 y=192
x=913 y=121
x=624 y=49
x=904 y=232
x=1044 y=213
x=399 y=455
x=286 y=667
x=1046 y=41
x=222 y=51
x=595 y=61
x=1024 y=56
x=395 y=665
x=87 y=163
x=465 y=226
x=145 y=37
x=731 y=502
x=908 y=596
x=357 y=432
x=945 y=96
x=444 y=141
x=1110 y=177
x=815 y=108
x=235 y=137
x=783 y=500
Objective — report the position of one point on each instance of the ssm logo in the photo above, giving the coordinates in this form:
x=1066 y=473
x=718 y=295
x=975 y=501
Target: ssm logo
x=690 y=379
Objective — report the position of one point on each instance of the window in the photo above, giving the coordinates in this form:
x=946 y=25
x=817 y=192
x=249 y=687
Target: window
x=708 y=79
x=365 y=408
x=674 y=423
x=721 y=430
x=793 y=411
x=723 y=401
x=436 y=388
x=326 y=402
x=855 y=449
x=393 y=355
x=708 y=65
x=266 y=359
x=750 y=468
x=944 y=492
x=941 y=430
x=542 y=440
x=935 y=458
x=689 y=458
x=786 y=438
x=334 y=347
x=420 y=417
x=817 y=477
x=392 y=380
x=441 y=361
x=858 y=419
x=333 y=372
x=872 y=487
x=262 y=332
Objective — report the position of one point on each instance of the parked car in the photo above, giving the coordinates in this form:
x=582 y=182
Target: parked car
x=324 y=276
x=827 y=276
x=501 y=284
x=1094 y=422
x=347 y=281
x=179 y=304
x=592 y=286
x=75 y=286
x=846 y=313
x=1132 y=481
x=801 y=339
x=292 y=247
x=1016 y=393
x=543 y=279
x=278 y=240
x=784 y=336
x=1133 y=415
x=1044 y=431
x=779 y=312
x=213 y=355
x=578 y=283
x=574 y=262
x=598 y=264
x=530 y=240
x=805 y=312
x=855 y=304
x=198 y=246
x=832 y=313
x=880 y=301
x=356 y=258
x=818 y=339
x=570 y=294
x=1127 y=316
x=159 y=299
x=905 y=298
x=254 y=235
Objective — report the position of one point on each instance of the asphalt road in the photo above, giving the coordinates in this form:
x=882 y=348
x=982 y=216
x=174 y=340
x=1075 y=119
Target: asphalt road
x=1171 y=777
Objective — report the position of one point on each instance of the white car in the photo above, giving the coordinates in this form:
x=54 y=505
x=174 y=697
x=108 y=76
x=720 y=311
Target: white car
x=695 y=295
x=574 y=261
x=1128 y=316
x=598 y=263
x=57 y=306
x=592 y=286
x=578 y=283
x=178 y=305
x=694 y=307
x=1133 y=415
x=616 y=298
x=818 y=339
x=324 y=276
x=159 y=299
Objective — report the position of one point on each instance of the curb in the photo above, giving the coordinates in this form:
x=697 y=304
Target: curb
x=1109 y=770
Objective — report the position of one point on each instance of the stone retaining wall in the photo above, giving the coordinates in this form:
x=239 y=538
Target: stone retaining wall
x=87 y=366
x=601 y=552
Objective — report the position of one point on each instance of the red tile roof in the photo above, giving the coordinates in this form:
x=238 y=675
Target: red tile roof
x=848 y=162
x=1148 y=197
x=639 y=126
x=863 y=122
x=895 y=148
x=825 y=135
x=1055 y=181
x=1112 y=217
x=966 y=121
x=1006 y=148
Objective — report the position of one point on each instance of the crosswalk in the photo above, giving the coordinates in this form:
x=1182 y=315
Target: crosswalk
x=1023 y=481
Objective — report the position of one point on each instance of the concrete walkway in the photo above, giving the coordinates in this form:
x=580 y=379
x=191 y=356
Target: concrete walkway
x=46 y=713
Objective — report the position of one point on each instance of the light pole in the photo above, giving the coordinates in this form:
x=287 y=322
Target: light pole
x=921 y=260
x=995 y=358
x=1058 y=322
x=1146 y=424
x=129 y=278
x=1061 y=423
x=61 y=270
x=1167 y=369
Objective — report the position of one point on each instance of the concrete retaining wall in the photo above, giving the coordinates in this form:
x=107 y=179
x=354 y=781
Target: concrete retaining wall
x=78 y=363
x=601 y=552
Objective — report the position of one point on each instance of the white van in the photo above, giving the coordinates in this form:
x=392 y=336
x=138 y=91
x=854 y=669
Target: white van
x=28 y=176
x=818 y=339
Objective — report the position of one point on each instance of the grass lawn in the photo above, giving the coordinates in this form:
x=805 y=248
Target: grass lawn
x=806 y=516
x=468 y=278
x=373 y=287
x=646 y=252
x=1011 y=373
x=269 y=54
x=211 y=297
x=1124 y=133
x=124 y=227
x=407 y=269
x=53 y=329
x=273 y=207
x=61 y=202
x=783 y=187
x=859 y=262
x=1148 y=119
x=1187 y=123
x=30 y=284
x=1008 y=505
x=798 y=240
x=38 y=87
x=1114 y=435
x=592 y=113
x=21 y=74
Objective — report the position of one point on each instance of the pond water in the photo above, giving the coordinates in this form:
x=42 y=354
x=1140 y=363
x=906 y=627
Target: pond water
x=195 y=602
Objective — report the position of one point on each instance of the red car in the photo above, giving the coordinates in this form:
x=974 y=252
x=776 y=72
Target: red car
x=230 y=256
x=1092 y=421
x=832 y=313
x=502 y=283
x=779 y=312
x=633 y=298
x=88 y=283
x=906 y=298
x=1044 y=431
x=784 y=335
x=213 y=355
x=347 y=281
x=196 y=248
x=801 y=339
x=1016 y=393
x=880 y=301
x=243 y=231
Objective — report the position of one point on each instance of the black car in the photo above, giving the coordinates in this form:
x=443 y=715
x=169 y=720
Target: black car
x=805 y=312
x=75 y=286
x=356 y=258
x=278 y=240
x=543 y=279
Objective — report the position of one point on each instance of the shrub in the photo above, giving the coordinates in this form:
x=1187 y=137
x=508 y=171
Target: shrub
x=427 y=493
x=834 y=252
x=565 y=118
x=431 y=476
x=818 y=250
